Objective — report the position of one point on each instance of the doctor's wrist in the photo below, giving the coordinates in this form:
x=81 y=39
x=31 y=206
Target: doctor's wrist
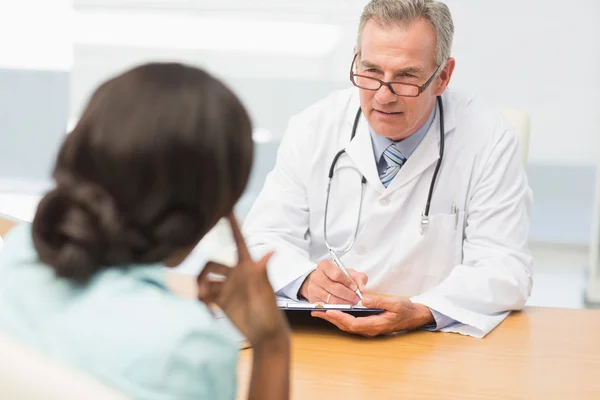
x=303 y=291
x=422 y=316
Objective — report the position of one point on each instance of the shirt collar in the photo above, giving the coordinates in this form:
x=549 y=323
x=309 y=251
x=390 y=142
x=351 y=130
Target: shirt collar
x=153 y=273
x=406 y=146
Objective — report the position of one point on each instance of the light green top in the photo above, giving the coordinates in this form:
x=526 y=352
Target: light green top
x=124 y=327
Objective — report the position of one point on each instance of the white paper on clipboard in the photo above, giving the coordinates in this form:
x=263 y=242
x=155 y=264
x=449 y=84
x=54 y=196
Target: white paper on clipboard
x=285 y=303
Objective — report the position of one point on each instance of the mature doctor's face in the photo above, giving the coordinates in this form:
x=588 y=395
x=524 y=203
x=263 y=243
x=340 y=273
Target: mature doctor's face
x=399 y=54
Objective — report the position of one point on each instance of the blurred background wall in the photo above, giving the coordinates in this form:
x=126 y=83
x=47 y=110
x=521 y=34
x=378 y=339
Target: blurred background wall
x=540 y=56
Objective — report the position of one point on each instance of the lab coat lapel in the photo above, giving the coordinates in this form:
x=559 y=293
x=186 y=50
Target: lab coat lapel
x=360 y=151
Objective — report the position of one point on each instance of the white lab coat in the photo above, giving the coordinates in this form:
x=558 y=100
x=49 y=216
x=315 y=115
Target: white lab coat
x=473 y=267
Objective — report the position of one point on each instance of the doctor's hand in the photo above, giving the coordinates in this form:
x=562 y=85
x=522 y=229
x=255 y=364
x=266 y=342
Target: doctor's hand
x=401 y=314
x=328 y=284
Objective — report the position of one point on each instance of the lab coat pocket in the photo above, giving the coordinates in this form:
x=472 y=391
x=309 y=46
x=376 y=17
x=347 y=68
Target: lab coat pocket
x=442 y=243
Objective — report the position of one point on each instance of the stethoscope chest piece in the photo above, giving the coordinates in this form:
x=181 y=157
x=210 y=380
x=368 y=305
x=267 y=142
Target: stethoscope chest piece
x=424 y=223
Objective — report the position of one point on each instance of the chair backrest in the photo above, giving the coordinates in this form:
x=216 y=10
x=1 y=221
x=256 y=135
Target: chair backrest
x=521 y=122
x=25 y=374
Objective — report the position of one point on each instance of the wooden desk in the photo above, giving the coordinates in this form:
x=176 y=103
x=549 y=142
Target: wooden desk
x=540 y=353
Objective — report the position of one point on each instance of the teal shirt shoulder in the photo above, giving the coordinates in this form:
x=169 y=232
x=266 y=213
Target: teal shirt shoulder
x=124 y=327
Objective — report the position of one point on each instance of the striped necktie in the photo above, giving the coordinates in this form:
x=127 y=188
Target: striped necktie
x=394 y=160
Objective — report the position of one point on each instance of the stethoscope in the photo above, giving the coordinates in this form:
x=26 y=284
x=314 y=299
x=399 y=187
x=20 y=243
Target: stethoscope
x=424 y=213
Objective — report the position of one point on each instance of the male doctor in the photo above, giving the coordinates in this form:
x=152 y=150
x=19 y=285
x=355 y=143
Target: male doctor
x=441 y=233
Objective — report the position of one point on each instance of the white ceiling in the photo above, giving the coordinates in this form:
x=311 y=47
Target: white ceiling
x=329 y=10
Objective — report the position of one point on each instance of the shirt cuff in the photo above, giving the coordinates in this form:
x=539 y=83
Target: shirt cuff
x=292 y=289
x=441 y=321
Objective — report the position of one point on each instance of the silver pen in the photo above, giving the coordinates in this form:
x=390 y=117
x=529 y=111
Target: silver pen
x=338 y=262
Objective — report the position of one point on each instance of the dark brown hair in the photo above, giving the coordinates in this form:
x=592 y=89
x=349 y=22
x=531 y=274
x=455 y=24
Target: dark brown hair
x=160 y=154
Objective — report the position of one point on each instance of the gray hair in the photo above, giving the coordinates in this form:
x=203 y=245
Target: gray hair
x=404 y=12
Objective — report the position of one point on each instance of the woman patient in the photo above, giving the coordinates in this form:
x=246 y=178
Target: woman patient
x=160 y=154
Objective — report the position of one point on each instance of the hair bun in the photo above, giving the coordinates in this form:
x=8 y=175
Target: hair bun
x=72 y=227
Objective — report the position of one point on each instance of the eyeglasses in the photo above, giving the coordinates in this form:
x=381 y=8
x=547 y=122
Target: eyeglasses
x=397 y=88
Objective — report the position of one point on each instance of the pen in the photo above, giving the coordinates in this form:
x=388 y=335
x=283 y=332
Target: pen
x=338 y=262
x=455 y=212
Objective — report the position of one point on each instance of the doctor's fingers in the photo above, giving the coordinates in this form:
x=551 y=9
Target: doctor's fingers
x=318 y=294
x=365 y=326
x=335 y=274
x=360 y=278
x=324 y=286
x=348 y=323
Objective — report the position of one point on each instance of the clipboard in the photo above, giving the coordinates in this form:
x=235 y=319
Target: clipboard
x=288 y=305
